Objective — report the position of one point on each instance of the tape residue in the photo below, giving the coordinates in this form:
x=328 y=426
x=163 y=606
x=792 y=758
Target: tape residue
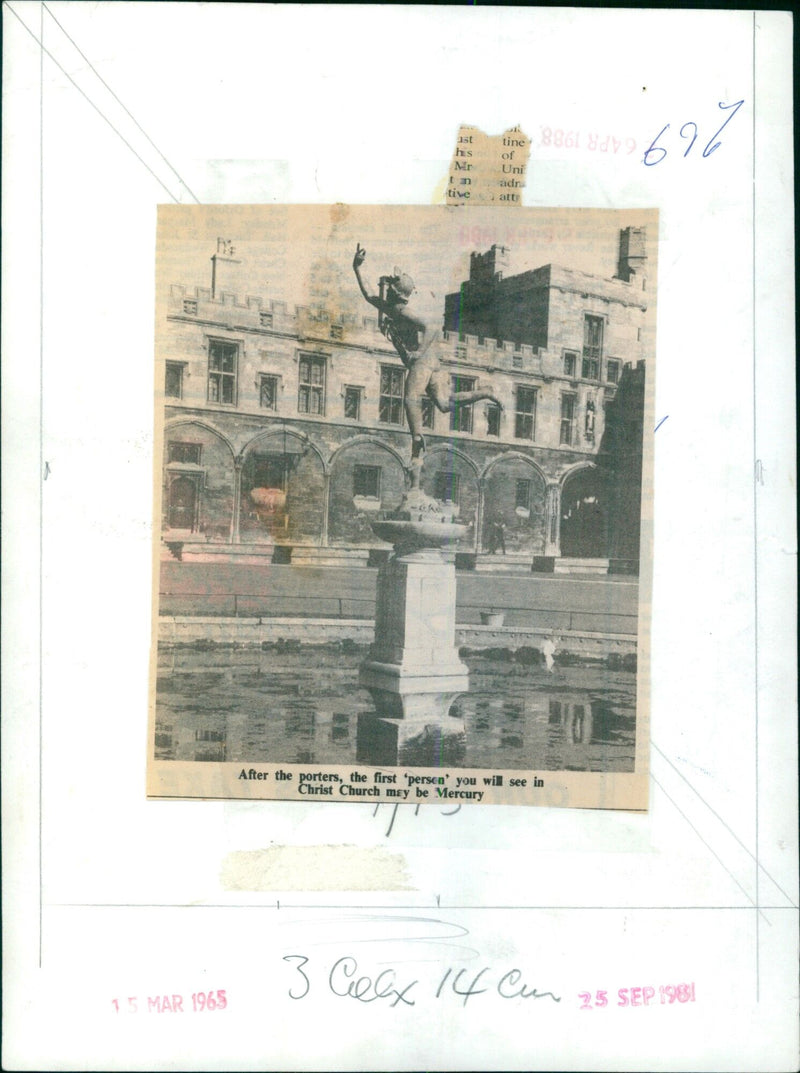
x=315 y=868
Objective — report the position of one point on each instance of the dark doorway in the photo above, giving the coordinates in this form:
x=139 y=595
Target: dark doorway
x=584 y=522
x=183 y=503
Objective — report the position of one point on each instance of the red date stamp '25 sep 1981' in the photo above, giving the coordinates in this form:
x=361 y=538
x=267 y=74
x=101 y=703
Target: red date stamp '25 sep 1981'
x=665 y=994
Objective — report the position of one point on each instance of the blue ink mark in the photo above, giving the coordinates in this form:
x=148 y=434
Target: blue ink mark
x=655 y=149
x=660 y=423
x=690 y=123
x=711 y=145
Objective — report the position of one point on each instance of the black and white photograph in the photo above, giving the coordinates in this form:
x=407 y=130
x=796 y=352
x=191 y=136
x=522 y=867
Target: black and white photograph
x=398 y=416
x=401 y=545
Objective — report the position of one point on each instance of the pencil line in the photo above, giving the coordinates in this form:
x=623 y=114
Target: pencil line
x=41 y=452
x=729 y=829
x=755 y=525
x=705 y=843
x=127 y=111
x=89 y=100
x=418 y=908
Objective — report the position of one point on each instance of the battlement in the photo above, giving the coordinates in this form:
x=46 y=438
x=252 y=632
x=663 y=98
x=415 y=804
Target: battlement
x=259 y=314
x=477 y=346
x=256 y=313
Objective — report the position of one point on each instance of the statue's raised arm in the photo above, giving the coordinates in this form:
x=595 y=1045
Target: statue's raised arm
x=358 y=261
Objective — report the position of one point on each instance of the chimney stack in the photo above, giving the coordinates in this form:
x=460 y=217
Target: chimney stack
x=224 y=269
x=632 y=254
x=488 y=267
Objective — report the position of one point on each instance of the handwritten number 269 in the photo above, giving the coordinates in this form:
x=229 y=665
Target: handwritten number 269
x=651 y=158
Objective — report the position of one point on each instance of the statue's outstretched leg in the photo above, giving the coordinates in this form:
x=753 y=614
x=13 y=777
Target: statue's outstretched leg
x=445 y=399
x=481 y=391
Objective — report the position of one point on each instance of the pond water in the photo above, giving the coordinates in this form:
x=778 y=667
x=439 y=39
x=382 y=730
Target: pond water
x=303 y=704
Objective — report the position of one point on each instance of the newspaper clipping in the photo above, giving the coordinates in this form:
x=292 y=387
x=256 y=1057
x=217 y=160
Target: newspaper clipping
x=403 y=504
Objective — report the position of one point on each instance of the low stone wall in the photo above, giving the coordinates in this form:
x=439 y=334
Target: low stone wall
x=176 y=630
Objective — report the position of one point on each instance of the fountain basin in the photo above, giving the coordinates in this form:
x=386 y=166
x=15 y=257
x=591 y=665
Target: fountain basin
x=419 y=533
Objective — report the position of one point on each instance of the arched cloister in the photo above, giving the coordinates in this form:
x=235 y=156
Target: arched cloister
x=450 y=474
x=366 y=477
x=514 y=491
x=282 y=489
x=199 y=479
x=584 y=513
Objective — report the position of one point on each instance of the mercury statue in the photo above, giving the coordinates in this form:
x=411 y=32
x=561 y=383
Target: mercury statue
x=416 y=341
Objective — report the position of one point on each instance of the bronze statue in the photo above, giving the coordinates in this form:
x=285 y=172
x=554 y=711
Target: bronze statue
x=416 y=341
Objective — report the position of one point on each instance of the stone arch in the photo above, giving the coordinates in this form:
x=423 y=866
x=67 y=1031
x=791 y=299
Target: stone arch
x=513 y=454
x=584 y=513
x=567 y=474
x=174 y=422
x=365 y=438
x=515 y=504
x=449 y=473
x=455 y=452
x=367 y=476
x=199 y=482
x=282 y=498
x=283 y=432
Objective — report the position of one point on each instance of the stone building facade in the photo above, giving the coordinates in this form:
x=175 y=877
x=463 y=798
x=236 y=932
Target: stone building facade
x=285 y=433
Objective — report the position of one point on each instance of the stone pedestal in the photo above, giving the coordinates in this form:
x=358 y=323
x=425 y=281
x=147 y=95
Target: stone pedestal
x=413 y=671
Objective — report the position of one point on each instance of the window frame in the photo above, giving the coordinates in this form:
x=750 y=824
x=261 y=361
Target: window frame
x=571 y=397
x=570 y=356
x=174 y=462
x=224 y=376
x=313 y=390
x=180 y=368
x=462 y=414
x=267 y=460
x=395 y=400
x=443 y=480
x=523 y=484
x=523 y=415
x=616 y=364
x=360 y=470
x=592 y=352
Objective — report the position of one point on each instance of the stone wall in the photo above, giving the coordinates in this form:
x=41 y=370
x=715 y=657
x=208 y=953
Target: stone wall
x=515 y=336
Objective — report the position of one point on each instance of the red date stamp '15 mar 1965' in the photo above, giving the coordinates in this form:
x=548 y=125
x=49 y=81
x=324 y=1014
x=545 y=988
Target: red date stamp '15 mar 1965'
x=197 y=1002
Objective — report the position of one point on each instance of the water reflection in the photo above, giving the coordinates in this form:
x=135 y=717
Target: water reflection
x=305 y=706
x=384 y=742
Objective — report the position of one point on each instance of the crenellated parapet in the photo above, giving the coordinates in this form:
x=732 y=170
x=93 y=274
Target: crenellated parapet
x=490 y=354
x=254 y=313
x=265 y=318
